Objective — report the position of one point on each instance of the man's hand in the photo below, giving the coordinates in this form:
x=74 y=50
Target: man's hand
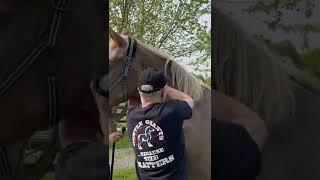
x=171 y=93
x=115 y=137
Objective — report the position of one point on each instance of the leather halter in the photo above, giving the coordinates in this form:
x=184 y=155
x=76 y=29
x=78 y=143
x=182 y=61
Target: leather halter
x=132 y=47
x=47 y=43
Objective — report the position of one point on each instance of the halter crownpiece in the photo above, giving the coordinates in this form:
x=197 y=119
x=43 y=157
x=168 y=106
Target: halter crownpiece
x=132 y=47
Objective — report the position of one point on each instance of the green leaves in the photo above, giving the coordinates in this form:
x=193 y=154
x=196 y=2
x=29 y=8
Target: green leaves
x=275 y=10
x=169 y=25
x=311 y=62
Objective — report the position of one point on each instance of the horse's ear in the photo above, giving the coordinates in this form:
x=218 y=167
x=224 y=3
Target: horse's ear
x=117 y=38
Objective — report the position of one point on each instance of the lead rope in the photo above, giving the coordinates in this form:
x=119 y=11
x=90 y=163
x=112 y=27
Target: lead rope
x=123 y=130
x=130 y=55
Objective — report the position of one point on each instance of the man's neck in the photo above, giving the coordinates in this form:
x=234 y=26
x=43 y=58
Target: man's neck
x=146 y=103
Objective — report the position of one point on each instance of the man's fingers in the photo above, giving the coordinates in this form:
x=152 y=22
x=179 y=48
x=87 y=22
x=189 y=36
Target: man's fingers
x=118 y=135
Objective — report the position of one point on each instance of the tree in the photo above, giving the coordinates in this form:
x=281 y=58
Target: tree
x=169 y=25
x=276 y=11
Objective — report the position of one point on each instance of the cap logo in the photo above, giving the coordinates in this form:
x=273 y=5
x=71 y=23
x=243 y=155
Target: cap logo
x=146 y=88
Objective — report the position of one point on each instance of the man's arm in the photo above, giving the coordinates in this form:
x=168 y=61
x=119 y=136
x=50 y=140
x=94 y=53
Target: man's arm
x=228 y=110
x=171 y=93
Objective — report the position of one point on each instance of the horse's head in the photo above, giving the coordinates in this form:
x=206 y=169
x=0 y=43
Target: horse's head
x=121 y=47
x=121 y=82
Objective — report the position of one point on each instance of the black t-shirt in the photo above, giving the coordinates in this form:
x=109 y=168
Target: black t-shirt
x=235 y=155
x=157 y=139
x=83 y=161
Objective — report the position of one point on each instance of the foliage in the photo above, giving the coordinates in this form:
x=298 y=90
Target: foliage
x=277 y=12
x=311 y=62
x=308 y=61
x=205 y=80
x=170 y=25
x=277 y=8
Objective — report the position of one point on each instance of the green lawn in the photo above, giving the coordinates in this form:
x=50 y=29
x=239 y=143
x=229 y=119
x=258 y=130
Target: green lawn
x=119 y=174
x=125 y=174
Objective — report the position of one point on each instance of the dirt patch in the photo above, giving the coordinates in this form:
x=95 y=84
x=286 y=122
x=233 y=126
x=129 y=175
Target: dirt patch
x=123 y=158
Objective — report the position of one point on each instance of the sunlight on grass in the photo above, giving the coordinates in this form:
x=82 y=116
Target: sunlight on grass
x=125 y=174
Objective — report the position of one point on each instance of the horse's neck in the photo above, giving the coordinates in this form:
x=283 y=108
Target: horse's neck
x=151 y=59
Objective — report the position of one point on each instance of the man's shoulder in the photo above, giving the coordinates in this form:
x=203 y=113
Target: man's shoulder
x=179 y=104
x=175 y=102
x=133 y=109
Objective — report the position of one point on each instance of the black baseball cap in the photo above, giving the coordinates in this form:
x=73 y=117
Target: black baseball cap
x=151 y=80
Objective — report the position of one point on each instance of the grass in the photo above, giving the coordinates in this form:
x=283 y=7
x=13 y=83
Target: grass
x=125 y=174
x=118 y=174
x=124 y=142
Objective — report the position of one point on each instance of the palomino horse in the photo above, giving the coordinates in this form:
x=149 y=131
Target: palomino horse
x=64 y=41
x=250 y=73
x=124 y=72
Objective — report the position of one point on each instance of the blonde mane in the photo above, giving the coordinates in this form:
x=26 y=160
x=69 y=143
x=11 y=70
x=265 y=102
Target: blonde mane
x=181 y=79
x=247 y=71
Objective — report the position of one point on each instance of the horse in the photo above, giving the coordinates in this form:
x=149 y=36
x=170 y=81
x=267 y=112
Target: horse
x=146 y=137
x=124 y=69
x=61 y=50
x=249 y=72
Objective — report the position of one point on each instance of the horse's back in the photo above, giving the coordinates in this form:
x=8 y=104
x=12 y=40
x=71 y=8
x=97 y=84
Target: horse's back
x=197 y=133
x=292 y=151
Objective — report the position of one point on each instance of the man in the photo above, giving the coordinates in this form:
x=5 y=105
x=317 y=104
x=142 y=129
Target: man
x=155 y=128
x=239 y=135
